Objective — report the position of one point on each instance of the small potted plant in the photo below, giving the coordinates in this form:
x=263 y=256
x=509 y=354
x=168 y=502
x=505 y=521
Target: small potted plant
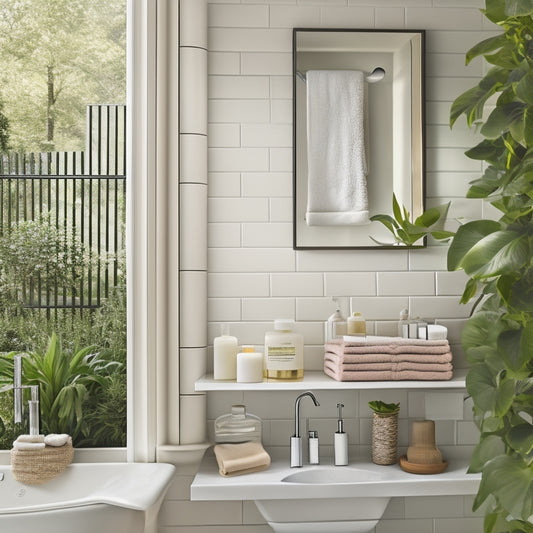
x=384 y=432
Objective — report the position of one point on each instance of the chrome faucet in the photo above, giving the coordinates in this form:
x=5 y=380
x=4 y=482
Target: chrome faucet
x=33 y=404
x=296 y=439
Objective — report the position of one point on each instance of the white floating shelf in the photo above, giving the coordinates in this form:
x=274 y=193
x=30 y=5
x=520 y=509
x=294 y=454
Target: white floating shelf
x=316 y=380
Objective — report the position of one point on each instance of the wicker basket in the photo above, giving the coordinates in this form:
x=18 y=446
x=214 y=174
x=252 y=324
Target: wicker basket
x=34 y=467
x=385 y=438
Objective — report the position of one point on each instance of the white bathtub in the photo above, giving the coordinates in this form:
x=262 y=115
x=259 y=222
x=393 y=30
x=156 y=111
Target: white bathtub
x=86 y=498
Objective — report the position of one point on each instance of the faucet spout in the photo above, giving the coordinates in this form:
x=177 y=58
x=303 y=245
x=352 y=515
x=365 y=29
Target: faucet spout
x=297 y=410
x=296 y=439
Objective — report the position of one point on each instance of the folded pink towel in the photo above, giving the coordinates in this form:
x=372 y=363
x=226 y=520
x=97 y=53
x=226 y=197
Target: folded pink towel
x=385 y=346
x=393 y=366
x=350 y=340
x=355 y=358
x=339 y=374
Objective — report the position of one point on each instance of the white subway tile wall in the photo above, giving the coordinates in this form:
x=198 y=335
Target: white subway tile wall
x=254 y=275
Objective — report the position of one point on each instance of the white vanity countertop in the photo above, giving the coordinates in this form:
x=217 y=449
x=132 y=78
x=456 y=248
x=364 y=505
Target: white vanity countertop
x=393 y=481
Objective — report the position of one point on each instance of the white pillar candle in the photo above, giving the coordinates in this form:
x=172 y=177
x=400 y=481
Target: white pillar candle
x=225 y=350
x=249 y=367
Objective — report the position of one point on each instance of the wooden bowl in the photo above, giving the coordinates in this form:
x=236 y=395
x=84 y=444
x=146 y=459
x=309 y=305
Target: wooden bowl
x=416 y=468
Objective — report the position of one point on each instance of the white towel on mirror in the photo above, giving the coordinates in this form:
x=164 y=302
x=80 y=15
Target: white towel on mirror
x=337 y=168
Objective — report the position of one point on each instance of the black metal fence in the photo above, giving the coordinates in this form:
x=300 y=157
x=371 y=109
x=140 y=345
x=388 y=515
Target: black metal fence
x=82 y=196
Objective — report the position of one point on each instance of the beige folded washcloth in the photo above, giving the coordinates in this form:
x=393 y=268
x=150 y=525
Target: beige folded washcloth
x=56 y=439
x=369 y=358
x=30 y=438
x=243 y=458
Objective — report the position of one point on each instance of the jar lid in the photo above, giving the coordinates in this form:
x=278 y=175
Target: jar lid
x=283 y=324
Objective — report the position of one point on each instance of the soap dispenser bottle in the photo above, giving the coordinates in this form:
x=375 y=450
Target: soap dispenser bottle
x=336 y=324
x=341 y=440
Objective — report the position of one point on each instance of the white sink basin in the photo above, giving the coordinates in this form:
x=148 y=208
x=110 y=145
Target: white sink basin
x=331 y=475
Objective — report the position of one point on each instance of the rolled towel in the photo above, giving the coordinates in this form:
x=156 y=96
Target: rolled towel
x=56 y=439
x=243 y=458
x=437 y=332
x=30 y=438
x=28 y=445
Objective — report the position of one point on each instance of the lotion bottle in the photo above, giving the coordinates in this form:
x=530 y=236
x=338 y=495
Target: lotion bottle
x=225 y=350
x=341 y=440
x=403 y=324
x=284 y=352
x=356 y=325
x=336 y=324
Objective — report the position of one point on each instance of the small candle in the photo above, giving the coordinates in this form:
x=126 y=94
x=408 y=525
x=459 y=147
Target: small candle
x=249 y=367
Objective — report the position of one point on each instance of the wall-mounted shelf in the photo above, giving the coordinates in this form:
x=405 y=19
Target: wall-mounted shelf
x=316 y=380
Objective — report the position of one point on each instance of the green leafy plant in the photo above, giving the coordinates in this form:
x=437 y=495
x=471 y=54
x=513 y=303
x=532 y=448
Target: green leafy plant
x=409 y=233
x=383 y=408
x=67 y=381
x=498 y=258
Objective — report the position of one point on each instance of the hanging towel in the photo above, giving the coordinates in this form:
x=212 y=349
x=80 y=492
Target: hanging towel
x=337 y=189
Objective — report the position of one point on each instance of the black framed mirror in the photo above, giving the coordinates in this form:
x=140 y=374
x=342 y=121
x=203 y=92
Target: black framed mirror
x=359 y=135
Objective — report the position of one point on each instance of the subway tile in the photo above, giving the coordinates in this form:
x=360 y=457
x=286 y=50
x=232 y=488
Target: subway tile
x=438 y=113
x=267 y=235
x=281 y=87
x=445 y=433
x=224 y=135
x=220 y=403
x=459 y=3
x=450 y=159
x=467 y=433
x=238 y=285
x=267 y=308
x=443 y=18
x=281 y=209
x=271 y=135
x=268 y=63
x=314 y=356
x=405 y=526
x=251 y=260
x=438 y=307
x=405 y=283
x=455 y=42
x=390 y=17
x=451 y=283
x=342 y=17
x=200 y=513
x=238 y=16
x=343 y=261
x=238 y=159
x=238 y=209
x=445 y=64
x=381 y=307
x=250 y=40
x=281 y=112
x=395 y=510
x=350 y=283
x=251 y=514
x=460 y=137
x=267 y=184
x=448 y=89
x=217 y=529
x=453 y=525
x=314 y=308
x=391 y=2
x=280 y=159
x=223 y=63
x=234 y=111
x=223 y=184
x=430 y=258
x=432 y=506
x=224 y=309
x=297 y=284
x=294 y=16
x=239 y=87
x=223 y=235
x=449 y=184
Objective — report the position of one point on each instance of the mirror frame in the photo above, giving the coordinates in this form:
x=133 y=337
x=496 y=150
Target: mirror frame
x=416 y=182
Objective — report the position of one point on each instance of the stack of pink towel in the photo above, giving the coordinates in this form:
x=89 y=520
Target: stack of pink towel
x=387 y=359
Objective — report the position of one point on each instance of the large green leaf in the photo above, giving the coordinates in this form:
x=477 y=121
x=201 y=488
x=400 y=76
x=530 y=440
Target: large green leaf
x=466 y=237
x=520 y=438
x=523 y=88
x=510 y=480
x=489 y=446
x=509 y=346
x=518 y=8
x=486 y=46
x=500 y=252
x=489 y=392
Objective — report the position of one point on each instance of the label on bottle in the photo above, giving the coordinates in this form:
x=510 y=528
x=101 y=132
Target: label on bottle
x=281 y=354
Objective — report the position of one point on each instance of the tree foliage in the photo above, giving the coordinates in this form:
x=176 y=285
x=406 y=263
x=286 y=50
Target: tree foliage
x=58 y=56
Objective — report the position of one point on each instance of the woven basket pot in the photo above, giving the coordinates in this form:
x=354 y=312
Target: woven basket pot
x=33 y=467
x=385 y=438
